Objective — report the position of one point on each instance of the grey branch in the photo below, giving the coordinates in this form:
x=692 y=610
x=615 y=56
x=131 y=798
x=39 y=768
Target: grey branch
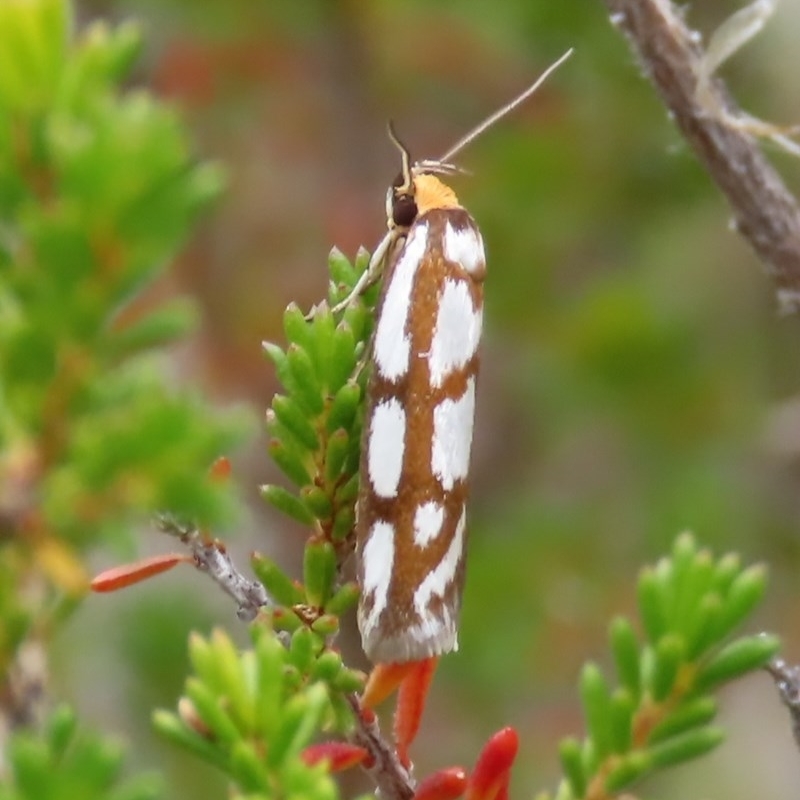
x=764 y=211
x=787 y=680
x=211 y=556
x=24 y=701
x=390 y=776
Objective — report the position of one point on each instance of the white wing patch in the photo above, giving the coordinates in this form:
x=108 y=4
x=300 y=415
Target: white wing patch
x=457 y=333
x=452 y=437
x=387 y=436
x=428 y=520
x=439 y=578
x=377 y=559
x=392 y=342
x=464 y=246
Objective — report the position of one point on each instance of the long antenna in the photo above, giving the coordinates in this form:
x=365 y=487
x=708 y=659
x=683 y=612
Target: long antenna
x=404 y=155
x=500 y=113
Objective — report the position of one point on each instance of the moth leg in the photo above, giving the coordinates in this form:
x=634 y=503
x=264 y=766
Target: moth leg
x=371 y=274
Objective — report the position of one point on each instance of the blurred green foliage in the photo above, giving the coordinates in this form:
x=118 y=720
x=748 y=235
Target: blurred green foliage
x=252 y=714
x=65 y=763
x=98 y=188
x=659 y=714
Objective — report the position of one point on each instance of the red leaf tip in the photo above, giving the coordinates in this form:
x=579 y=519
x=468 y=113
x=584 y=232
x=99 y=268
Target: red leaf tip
x=126 y=575
x=339 y=755
x=490 y=778
x=445 y=784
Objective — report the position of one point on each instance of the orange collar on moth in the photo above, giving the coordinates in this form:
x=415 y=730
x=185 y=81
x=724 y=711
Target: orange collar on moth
x=430 y=192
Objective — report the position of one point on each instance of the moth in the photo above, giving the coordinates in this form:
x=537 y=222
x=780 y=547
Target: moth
x=411 y=527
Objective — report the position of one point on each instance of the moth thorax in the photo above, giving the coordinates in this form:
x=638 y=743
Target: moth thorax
x=404 y=205
x=430 y=192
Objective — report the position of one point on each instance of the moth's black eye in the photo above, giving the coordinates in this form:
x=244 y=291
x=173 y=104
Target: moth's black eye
x=404 y=210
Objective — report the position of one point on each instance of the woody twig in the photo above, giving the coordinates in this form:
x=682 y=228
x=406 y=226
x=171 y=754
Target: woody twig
x=764 y=211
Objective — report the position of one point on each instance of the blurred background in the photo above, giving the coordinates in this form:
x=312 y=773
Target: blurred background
x=636 y=379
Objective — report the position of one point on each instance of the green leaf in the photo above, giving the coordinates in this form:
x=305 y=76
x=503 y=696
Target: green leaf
x=157 y=329
x=744 y=655
x=288 y=503
x=341 y=712
x=589 y=756
x=270 y=658
x=326 y=625
x=569 y=751
x=344 y=599
x=596 y=701
x=277 y=355
x=33 y=53
x=229 y=664
x=173 y=729
x=201 y=657
x=684 y=553
x=359 y=319
x=341 y=270
x=306 y=387
x=301 y=718
x=693 y=577
x=343 y=410
x=207 y=705
x=349 y=680
x=690 y=714
x=349 y=491
x=621 y=720
x=297 y=328
x=625 y=647
x=684 y=747
x=335 y=455
x=629 y=769
x=327 y=667
x=745 y=592
x=247 y=768
x=276 y=581
x=303 y=649
x=703 y=630
x=343 y=356
x=669 y=653
x=286 y=620
x=290 y=462
x=317 y=501
x=343 y=523
x=295 y=420
x=31 y=764
x=651 y=604
x=725 y=572
x=322 y=345
x=61 y=728
x=319 y=571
